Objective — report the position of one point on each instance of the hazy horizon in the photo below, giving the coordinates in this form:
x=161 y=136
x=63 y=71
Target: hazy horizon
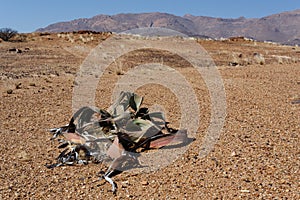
x=27 y=16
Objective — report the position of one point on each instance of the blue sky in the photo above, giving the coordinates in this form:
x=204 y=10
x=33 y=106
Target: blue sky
x=29 y=15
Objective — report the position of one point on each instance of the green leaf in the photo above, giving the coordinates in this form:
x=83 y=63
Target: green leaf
x=144 y=124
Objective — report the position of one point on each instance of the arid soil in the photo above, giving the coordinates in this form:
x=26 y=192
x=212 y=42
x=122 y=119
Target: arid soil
x=256 y=157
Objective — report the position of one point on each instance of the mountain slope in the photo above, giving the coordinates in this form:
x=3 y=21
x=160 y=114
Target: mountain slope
x=283 y=27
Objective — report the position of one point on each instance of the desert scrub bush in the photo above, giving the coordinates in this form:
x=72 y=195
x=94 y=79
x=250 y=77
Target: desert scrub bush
x=21 y=37
x=119 y=70
x=285 y=59
x=86 y=38
x=61 y=35
x=259 y=58
x=7 y=33
x=70 y=38
x=236 y=59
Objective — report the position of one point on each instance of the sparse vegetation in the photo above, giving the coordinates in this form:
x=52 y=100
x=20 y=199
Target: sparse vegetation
x=259 y=58
x=119 y=70
x=7 y=33
x=285 y=59
x=20 y=37
x=84 y=37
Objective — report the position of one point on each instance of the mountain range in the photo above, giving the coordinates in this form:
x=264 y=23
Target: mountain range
x=282 y=27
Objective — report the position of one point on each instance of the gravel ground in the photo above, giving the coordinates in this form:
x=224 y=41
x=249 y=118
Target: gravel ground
x=256 y=157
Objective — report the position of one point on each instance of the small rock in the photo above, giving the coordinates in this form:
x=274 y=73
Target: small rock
x=75 y=83
x=32 y=84
x=125 y=182
x=9 y=91
x=15 y=50
x=48 y=80
x=18 y=86
x=296 y=101
x=233 y=64
x=23 y=156
x=144 y=183
x=245 y=191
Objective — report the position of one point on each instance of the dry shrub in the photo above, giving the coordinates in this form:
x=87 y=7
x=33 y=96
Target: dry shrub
x=259 y=58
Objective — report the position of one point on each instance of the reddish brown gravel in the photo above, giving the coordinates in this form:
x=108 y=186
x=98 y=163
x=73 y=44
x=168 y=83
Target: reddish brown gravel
x=256 y=157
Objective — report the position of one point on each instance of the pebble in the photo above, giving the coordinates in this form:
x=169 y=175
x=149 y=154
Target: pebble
x=144 y=183
x=18 y=85
x=233 y=154
x=9 y=91
x=245 y=191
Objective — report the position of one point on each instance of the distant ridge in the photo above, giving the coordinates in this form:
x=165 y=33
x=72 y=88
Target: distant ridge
x=282 y=28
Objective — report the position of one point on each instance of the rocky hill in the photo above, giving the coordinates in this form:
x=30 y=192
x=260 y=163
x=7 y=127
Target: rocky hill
x=283 y=27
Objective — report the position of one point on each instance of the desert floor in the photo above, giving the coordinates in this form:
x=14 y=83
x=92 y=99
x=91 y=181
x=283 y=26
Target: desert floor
x=257 y=155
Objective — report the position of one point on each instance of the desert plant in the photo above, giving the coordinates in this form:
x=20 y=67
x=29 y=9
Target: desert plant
x=70 y=38
x=115 y=135
x=7 y=33
x=21 y=37
x=259 y=58
x=118 y=70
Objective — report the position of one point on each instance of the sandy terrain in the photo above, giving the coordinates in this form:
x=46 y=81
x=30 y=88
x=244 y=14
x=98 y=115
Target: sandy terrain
x=256 y=157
